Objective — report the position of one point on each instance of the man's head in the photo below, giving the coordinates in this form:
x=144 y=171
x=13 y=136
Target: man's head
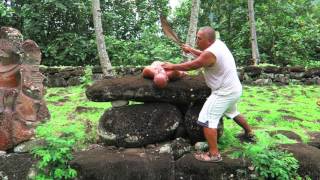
x=205 y=37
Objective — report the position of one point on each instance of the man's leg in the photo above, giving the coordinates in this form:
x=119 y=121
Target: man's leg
x=241 y=121
x=211 y=111
x=213 y=154
x=211 y=136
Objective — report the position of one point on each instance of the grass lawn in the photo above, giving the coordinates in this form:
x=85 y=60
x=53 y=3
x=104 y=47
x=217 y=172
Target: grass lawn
x=69 y=107
x=291 y=108
x=266 y=108
x=74 y=121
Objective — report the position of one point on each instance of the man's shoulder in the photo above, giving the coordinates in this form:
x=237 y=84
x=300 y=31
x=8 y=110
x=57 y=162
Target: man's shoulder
x=216 y=44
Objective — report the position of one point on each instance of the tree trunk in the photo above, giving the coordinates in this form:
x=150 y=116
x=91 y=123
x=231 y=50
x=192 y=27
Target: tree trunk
x=191 y=37
x=254 y=43
x=103 y=55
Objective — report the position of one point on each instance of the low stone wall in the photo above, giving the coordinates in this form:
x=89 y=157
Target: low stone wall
x=279 y=75
x=248 y=75
x=62 y=76
x=71 y=76
x=120 y=71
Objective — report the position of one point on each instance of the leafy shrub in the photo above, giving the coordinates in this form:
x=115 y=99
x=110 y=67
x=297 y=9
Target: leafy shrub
x=144 y=51
x=287 y=39
x=269 y=161
x=70 y=49
x=5 y=14
x=87 y=78
x=54 y=157
x=275 y=164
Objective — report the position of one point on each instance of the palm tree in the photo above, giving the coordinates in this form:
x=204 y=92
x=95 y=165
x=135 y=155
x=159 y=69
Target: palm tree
x=191 y=37
x=103 y=54
x=254 y=43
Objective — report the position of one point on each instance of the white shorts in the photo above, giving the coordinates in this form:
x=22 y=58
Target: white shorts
x=216 y=106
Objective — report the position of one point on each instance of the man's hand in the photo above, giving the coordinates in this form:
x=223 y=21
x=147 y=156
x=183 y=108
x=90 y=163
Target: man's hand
x=186 y=48
x=168 y=66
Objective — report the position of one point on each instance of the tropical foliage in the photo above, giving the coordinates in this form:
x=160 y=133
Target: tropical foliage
x=288 y=31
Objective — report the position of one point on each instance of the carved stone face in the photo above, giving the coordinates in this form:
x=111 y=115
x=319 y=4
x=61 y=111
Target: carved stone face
x=9 y=53
x=31 y=53
x=9 y=65
x=11 y=34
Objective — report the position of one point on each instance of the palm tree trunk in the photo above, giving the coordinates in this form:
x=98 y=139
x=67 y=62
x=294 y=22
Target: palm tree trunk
x=191 y=37
x=254 y=43
x=103 y=55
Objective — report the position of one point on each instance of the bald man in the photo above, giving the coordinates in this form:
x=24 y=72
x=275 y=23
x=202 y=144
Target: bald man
x=221 y=77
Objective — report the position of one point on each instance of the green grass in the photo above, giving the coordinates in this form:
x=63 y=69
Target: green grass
x=266 y=108
x=62 y=104
x=291 y=108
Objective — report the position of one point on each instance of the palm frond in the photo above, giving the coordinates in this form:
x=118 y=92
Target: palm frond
x=168 y=31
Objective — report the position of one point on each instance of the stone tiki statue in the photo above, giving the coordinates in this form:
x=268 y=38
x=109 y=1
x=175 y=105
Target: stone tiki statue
x=21 y=90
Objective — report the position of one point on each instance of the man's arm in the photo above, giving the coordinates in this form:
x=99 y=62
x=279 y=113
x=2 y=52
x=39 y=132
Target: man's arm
x=204 y=60
x=188 y=49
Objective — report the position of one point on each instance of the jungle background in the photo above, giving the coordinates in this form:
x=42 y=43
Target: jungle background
x=288 y=31
x=288 y=34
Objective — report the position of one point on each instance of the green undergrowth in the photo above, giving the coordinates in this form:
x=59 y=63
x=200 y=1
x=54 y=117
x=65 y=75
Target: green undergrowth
x=74 y=120
x=270 y=109
x=72 y=127
x=266 y=158
x=71 y=105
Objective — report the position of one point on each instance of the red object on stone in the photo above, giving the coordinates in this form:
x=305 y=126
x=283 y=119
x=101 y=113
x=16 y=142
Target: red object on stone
x=160 y=76
x=160 y=80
